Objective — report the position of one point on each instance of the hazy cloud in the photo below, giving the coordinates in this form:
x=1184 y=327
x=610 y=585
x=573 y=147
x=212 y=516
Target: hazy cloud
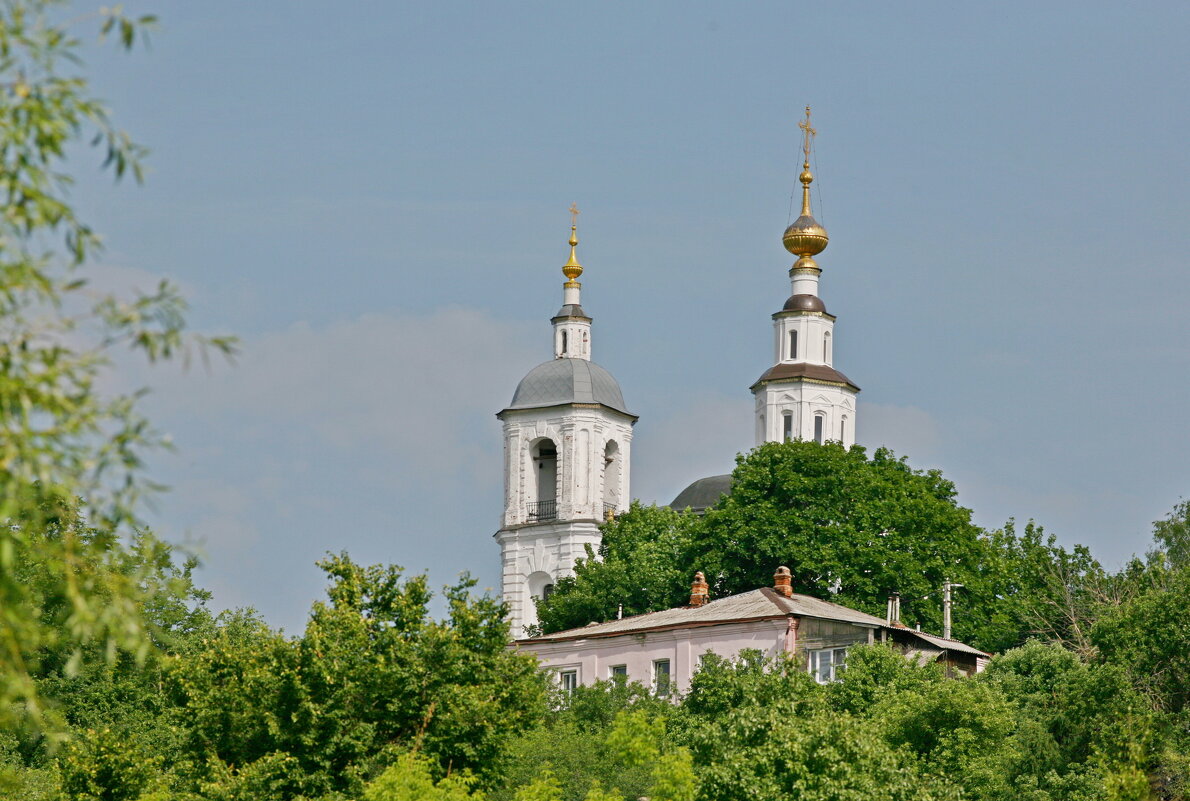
x=374 y=435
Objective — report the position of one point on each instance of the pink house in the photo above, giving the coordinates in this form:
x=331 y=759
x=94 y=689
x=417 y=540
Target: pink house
x=662 y=649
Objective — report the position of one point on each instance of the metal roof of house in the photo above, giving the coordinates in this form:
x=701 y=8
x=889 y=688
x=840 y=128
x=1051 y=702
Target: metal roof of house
x=944 y=644
x=762 y=604
x=755 y=605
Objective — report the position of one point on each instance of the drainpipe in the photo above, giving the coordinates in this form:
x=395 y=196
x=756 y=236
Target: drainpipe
x=791 y=634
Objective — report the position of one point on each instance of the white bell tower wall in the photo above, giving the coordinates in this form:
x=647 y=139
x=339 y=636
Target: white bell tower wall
x=566 y=469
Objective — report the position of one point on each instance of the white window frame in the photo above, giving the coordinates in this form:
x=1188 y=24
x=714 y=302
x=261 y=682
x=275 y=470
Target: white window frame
x=616 y=671
x=663 y=689
x=568 y=680
x=826 y=664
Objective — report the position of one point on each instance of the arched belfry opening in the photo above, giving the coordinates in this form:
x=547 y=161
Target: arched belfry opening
x=543 y=503
x=611 y=478
x=541 y=587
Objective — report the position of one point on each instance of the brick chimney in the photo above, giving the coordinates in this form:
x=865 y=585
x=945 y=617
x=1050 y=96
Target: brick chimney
x=699 y=590
x=783 y=581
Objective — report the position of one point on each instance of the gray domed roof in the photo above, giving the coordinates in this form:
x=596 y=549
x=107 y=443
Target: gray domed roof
x=702 y=494
x=562 y=381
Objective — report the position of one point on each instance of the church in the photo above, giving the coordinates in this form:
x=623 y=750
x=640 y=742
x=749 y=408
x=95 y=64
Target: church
x=567 y=468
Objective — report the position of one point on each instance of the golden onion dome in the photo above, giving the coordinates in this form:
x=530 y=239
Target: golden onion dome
x=572 y=269
x=805 y=237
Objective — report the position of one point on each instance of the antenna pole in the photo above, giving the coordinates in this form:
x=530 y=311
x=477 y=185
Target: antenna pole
x=947 y=604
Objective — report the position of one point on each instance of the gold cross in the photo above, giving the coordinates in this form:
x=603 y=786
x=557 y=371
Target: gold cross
x=809 y=133
x=574 y=212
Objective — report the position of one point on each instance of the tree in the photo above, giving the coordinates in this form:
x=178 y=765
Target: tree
x=61 y=437
x=763 y=752
x=1040 y=590
x=852 y=529
x=571 y=744
x=1172 y=535
x=372 y=676
x=1149 y=637
x=641 y=567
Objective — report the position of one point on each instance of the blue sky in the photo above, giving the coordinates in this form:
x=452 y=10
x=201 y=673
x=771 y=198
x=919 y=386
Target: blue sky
x=374 y=199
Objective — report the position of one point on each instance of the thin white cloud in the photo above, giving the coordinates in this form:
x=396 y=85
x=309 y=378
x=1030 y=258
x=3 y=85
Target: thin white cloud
x=374 y=435
x=699 y=438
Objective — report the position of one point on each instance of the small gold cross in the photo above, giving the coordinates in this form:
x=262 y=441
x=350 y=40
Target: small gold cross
x=574 y=212
x=809 y=133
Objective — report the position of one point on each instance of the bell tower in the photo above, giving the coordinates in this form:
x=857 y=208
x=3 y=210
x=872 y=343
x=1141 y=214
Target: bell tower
x=803 y=396
x=567 y=449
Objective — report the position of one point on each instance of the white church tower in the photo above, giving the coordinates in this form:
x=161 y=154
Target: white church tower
x=567 y=448
x=803 y=396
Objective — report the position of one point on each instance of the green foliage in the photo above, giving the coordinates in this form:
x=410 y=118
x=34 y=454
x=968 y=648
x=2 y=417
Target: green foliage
x=956 y=729
x=643 y=565
x=755 y=753
x=1149 y=636
x=1087 y=711
x=573 y=744
x=838 y=519
x=61 y=437
x=874 y=673
x=372 y=672
x=595 y=707
x=1172 y=535
x=851 y=529
x=100 y=766
x=1042 y=589
x=411 y=778
x=721 y=685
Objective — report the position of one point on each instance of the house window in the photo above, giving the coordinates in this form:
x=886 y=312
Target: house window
x=563 y=343
x=827 y=665
x=568 y=680
x=619 y=673
x=547 y=591
x=819 y=425
x=792 y=345
x=661 y=680
x=843 y=429
x=826 y=347
x=787 y=426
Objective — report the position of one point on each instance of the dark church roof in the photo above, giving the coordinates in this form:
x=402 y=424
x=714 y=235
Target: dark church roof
x=795 y=370
x=805 y=303
x=703 y=494
x=563 y=381
x=569 y=311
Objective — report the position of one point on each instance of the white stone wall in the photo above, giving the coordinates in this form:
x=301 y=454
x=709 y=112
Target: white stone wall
x=803 y=400
x=533 y=550
x=572 y=338
x=535 y=555
x=815 y=332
